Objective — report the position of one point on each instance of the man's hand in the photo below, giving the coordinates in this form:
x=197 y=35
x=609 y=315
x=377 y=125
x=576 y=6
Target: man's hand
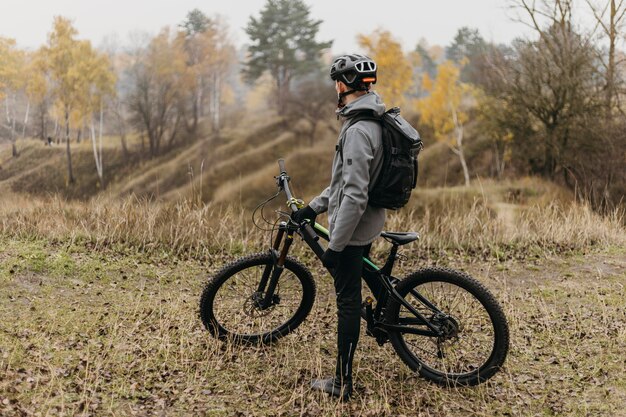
x=330 y=258
x=304 y=213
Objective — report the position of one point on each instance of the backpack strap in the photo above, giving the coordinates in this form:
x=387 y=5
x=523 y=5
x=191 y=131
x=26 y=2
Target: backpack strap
x=362 y=115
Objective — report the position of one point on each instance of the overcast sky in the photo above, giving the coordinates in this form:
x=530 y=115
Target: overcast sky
x=29 y=21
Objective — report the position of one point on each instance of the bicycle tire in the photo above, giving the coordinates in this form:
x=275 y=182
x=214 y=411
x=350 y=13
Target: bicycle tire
x=295 y=276
x=490 y=355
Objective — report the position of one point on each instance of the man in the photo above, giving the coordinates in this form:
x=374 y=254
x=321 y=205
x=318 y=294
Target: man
x=353 y=223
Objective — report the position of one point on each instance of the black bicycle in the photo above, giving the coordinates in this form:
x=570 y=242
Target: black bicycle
x=442 y=323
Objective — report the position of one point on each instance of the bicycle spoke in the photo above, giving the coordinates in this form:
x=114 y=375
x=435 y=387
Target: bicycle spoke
x=236 y=309
x=456 y=354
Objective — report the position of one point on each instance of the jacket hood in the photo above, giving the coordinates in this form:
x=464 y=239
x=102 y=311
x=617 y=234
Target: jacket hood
x=369 y=101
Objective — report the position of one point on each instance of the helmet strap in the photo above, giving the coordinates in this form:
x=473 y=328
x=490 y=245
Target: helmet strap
x=340 y=96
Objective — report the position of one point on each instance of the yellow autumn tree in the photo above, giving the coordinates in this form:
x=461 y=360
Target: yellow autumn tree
x=395 y=73
x=11 y=82
x=100 y=85
x=446 y=109
x=74 y=71
x=35 y=87
x=63 y=61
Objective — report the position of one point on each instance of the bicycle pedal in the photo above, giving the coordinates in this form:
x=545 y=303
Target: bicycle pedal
x=381 y=335
x=381 y=340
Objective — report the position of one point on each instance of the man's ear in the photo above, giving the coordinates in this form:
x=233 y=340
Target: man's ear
x=341 y=87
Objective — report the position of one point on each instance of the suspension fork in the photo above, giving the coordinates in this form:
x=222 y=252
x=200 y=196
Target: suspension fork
x=273 y=271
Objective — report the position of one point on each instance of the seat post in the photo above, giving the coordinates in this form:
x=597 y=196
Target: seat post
x=386 y=269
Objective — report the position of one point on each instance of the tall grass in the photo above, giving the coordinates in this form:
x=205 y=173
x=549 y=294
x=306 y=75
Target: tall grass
x=87 y=334
x=183 y=228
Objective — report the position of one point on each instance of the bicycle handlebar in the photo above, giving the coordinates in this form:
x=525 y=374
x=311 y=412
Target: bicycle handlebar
x=308 y=234
x=281 y=166
x=285 y=183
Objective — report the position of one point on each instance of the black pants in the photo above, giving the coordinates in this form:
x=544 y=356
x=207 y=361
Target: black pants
x=347 y=278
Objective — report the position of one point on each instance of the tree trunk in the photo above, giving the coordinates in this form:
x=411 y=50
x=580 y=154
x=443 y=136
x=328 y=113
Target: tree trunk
x=42 y=121
x=11 y=126
x=95 y=151
x=610 y=71
x=13 y=139
x=121 y=127
x=101 y=173
x=122 y=132
x=459 y=146
x=282 y=84
x=549 y=165
x=496 y=151
x=216 y=103
x=25 y=119
x=464 y=165
x=70 y=173
x=56 y=131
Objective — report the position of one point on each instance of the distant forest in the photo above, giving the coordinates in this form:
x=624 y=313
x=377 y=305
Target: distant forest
x=550 y=105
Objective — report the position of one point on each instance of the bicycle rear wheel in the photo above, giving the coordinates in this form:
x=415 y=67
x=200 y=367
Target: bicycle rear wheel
x=477 y=336
x=230 y=308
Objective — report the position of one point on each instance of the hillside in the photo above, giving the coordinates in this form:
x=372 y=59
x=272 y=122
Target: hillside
x=234 y=166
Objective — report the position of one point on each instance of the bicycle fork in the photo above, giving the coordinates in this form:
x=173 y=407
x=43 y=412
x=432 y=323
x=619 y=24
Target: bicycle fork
x=272 y=271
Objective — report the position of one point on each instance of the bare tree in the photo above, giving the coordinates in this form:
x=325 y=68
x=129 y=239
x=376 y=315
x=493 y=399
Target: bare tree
x=611 y=19
x=154 y=100
x=314 y=101
x=553 y=81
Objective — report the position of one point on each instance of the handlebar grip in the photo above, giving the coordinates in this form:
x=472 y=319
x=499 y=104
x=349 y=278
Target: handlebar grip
x=281 y=165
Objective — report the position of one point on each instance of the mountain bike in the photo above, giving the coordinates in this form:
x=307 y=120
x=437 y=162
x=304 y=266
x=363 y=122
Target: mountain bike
x=442 y=323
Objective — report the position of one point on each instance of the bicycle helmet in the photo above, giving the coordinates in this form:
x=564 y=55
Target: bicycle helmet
x=355 y=71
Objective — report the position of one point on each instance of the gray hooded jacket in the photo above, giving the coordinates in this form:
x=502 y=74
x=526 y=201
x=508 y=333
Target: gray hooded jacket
x=351 y=220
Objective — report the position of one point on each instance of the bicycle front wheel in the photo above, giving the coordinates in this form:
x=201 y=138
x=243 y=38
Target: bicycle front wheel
x=231 y=308
x=476 y=339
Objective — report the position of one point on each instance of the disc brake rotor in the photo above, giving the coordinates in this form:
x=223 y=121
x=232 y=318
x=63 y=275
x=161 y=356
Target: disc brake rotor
x=252 y=305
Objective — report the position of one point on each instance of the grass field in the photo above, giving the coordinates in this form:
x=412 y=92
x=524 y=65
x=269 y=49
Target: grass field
x=99 y=311
x=104 y=332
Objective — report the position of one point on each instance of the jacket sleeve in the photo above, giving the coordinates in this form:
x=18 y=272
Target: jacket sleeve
x=320 y=203
x=358 y=155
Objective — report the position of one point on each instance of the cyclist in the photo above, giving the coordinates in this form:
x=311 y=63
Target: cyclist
x=353 y=224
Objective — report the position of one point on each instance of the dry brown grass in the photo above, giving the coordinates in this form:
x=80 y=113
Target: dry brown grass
x=92 y=332
x=99 y=311
x=462 y=223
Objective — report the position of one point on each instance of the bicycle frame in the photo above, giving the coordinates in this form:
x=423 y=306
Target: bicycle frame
x=311 y=235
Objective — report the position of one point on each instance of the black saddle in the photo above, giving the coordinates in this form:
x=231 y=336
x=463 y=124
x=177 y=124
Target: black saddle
x=400 y=238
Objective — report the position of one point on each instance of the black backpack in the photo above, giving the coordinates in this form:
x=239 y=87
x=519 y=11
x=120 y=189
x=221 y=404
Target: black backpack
x=401 y=146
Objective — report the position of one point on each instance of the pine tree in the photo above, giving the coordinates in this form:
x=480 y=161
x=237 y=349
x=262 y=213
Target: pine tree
x=283 y=43
x=467 y=50
x=196 y=22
